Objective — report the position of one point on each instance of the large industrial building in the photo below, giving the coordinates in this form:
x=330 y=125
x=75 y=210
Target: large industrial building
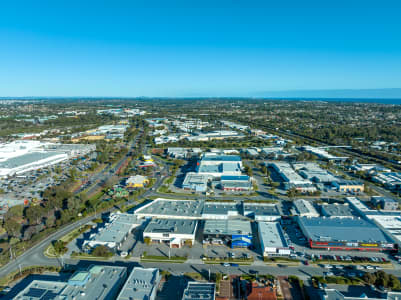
x=348 y=186
x=272 y=239
x=337 y=211
x=175 y=233
x=114 y=232
x=344 y=234
x=262 y=211
x=237 y=233
x=196 y=182
x=391 y=224
x=170 y=209
x=387 y=220
x=236 y=183
x=292 y=179
x=142 y=283
x=98 y=282
x=220 y=210
x=23 y=156
x=219 y=165
x=304 y=208
x=313 y=172
x=197 y=210
x=385 y=203
x=322 y=153
x=391 y=180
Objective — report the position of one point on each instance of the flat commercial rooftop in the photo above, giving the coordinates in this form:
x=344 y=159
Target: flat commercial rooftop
x=171 y=226
x=227 y=227
x=234 y=178
x=29 y=158
x=304 y=207
x=222 y=158
x=191 y=209
x=220 y=208
x=237 y=185
x=141 y=284
x=210 y=169
x=199 y=291
x=272 y=235
x=337 y=210
x=341 y=229
x=172 y=209
x=391 y=224
x=261 y=209
x=115 y=231
x=94 y=288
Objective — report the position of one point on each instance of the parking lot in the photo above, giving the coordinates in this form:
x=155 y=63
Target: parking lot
x=31 y=184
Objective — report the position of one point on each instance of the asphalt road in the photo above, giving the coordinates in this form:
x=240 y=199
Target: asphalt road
x=34 y=256
x=100 y=177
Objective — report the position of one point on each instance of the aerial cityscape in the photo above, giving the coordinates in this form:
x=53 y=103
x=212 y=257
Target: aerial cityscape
x=165 y=151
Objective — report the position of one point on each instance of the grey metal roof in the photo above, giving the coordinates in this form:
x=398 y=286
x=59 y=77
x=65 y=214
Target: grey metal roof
x=173 y=208
x=261 y=209
x=220 y=208
x=171 y=226
x=341 y=229
x=272 y=235
x=304 y=207
x=27 y=159
x=101 y=285
x=141 y=284
x=337 y=210
x=227 y=227
x=221 y=158
x=199 y=291
x=237 y=184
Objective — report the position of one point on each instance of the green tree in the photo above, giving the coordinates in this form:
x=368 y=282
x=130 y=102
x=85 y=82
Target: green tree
x=382 y=279
x=34 y=214
x=13 y=228
x=102 y=251
x=291 y=193
x=369 y=278
x=60 y=247
x=394 y=282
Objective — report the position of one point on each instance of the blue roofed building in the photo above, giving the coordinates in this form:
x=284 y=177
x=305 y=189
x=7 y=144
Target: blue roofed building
x=233 y=232
x=344 y=234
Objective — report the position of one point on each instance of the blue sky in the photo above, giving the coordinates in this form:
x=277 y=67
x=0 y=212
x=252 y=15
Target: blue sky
x=196 y=48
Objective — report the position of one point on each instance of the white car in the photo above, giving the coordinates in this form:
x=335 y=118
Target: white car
x=328 y=266
x=124 y=254
x=226 y=264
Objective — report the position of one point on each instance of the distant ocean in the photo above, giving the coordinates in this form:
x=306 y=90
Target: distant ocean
x=355 y=100
x=389 y=101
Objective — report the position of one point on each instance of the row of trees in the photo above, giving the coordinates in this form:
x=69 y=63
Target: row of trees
x=382 y=279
